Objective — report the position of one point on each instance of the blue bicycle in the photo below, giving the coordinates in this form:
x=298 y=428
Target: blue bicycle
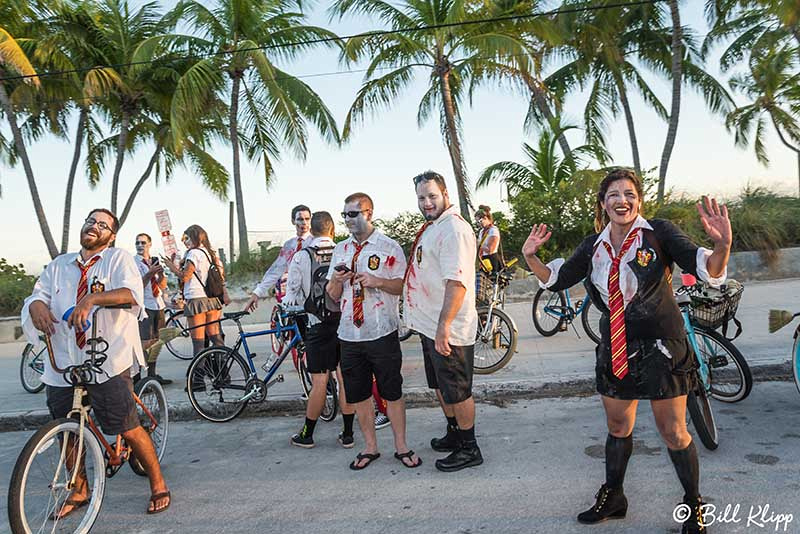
x=554 y=312
x=221 y=382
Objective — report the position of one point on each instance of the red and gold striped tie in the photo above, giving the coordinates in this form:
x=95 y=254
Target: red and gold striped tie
x=154 y=286
x=414 y=248
x=358 y=298
x=616 y=306
x=83 y=288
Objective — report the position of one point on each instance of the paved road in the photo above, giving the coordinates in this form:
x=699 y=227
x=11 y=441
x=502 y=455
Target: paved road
x=554 y=360
x=544 y=462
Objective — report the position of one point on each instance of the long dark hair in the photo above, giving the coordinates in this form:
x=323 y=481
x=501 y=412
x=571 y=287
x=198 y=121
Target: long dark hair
x=600 y=216
x=199 y=237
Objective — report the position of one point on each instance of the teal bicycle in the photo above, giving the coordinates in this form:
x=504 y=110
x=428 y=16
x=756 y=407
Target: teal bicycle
x=554 y=312
x=777 y=320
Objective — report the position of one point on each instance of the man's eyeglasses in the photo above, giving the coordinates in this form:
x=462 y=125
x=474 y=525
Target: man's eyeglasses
x=100 y=224
x=352 y=214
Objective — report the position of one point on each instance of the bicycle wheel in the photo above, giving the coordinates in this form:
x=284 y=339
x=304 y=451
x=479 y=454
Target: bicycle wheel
x=40 y=480
x=331 y=406
x=703 y=418
x=730 y=376
x=216 y=384
x=546 y=320
x=496 y=343
x=303 y=374
x=31 y=368
x=796 y=360
x=181 y=346
x=153 y=398
x=590 y=318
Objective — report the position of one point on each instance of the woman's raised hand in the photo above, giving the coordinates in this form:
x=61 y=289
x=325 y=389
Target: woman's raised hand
x=539 y=236
x=715 y=221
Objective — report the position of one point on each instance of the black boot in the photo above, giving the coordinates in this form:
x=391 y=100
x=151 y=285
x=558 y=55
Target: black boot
x=694 y=523
x=468 y=455
x=610 y=504
x=449 y=443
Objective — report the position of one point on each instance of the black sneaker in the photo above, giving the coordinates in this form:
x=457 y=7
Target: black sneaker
x=346 y=440
x=468 y=455
x=449 y=443
x=161 y=380
x=694 y=523
x=300 y=441
x=610 y=504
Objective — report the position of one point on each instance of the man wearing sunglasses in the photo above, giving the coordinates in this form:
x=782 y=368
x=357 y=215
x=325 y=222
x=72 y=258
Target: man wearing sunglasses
x=439 y=303
x=61 y=305
x=275 y=277
x=155 y=283
x=366 y=278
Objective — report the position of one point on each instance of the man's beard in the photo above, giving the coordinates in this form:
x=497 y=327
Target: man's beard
x=92 y=243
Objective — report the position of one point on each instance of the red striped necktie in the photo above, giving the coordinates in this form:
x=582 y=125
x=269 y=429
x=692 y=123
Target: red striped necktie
x=616 y=306
x=154 y=286
x=83 y=288
x=358 y=296
x=299 y=244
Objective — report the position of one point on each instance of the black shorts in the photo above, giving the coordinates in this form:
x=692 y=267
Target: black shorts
x=652 y=374
x=322 y=348
x=112 y=403
x=150 y=325
x=363 y=359
x=451 y=375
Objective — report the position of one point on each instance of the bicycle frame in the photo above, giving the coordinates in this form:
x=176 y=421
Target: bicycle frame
x=690 y=334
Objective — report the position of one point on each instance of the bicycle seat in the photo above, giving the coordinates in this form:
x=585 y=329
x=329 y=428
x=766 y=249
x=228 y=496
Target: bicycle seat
x=235 y=315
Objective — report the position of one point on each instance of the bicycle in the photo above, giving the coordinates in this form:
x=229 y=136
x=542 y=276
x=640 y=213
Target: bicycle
x=42 y=478
x=221 y=382
x=553 y=312
x=181 y=345
x=777 y=320
x=31 y=368
x=496 y=338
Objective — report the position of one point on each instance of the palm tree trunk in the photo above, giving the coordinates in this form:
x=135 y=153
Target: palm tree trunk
x=147 y=172
x=539 y=98
x=26 y=164
x=121 y=142
x=454 y=146
x=83 y=118
x=677 y=74
x=626 y=107
x=244 y=245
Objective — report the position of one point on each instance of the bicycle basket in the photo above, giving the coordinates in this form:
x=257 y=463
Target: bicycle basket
x=714 y=307
x=484 y=288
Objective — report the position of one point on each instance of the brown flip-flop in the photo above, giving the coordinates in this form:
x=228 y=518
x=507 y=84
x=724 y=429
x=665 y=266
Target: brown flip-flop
x=157 y=496
x=76 y=505
x=364 y=456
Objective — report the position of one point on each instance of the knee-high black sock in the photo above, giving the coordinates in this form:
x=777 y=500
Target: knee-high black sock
x=618 y=452
x=347 y=419
x=687 y=465
x=151 y=369
x=198 y=345
x=451 y=423
x=217 y=340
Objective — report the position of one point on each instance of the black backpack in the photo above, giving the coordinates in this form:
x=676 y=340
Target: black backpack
x=317 y=300
x=214 y=286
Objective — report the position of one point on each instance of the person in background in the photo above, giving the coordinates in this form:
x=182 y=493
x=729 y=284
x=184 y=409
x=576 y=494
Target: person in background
x=488 y=238
x=154 y=283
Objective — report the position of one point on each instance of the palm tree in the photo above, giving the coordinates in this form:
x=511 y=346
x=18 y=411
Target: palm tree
x=269 y=109
x=14 y=62
x=450 y=56
x=773 y=85
x=545 y=170
x=675 y=109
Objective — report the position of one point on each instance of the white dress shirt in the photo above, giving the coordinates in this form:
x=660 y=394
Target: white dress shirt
x=446 y=251
x=298 y=281
x=57 y=287
x=384 y=258
x=279 y=268
x=628 y=283
x=151 y=302
x=193 y=288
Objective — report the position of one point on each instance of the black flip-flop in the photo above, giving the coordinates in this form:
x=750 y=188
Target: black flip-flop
x=156 y=497
x=408 y=455
x=76 y=505
x=363 y=456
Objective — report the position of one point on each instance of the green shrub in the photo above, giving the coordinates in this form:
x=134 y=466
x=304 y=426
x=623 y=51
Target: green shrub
x=15 y=286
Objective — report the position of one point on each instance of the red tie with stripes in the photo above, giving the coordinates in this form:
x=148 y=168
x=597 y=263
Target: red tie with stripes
x=616 y=306
x=154 y=286
x=299 y=244
x=83 y=288
x=358 y=295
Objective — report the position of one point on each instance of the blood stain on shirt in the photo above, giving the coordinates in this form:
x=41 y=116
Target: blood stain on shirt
x=378 y=304
x=390 y=261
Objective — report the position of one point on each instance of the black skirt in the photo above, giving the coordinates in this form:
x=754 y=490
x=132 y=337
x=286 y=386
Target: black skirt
x=657 y=369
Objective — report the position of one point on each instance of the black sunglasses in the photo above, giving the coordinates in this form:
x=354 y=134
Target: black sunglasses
x=427 y=177
x=352 y=214
x=141 y=242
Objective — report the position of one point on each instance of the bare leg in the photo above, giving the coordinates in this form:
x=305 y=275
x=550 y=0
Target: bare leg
x=365 y=412
x=464 y=412
x=670 y=416
x=446 y=408
x=345 y=406
x=80 y=491
x=142 y=446
x=396 y=411
x=316 y=400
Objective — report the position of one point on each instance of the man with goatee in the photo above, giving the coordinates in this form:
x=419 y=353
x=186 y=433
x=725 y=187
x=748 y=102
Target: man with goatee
x=95 y=276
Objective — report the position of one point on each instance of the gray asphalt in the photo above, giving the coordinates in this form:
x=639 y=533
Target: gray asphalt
x=544 y=462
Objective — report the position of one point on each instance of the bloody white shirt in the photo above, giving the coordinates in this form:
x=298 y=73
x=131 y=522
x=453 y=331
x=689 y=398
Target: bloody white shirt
x=151 y=302
x=279 y=268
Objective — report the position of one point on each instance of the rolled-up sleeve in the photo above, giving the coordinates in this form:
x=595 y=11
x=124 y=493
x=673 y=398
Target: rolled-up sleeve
x=42 y=291
x=396 y=263
x=274 y=273
x=702 y=269
x=555 y=268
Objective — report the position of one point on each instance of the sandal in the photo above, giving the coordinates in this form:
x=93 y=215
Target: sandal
x=76 y=505
x=158 y=496
x=363 y=456
x=408 y=455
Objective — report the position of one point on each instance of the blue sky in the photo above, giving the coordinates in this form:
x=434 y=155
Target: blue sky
x=380 y=160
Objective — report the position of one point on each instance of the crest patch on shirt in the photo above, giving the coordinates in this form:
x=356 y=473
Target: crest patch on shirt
x=97 y=286
x=374 y=262
x=419 y=255
x=644 y=256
